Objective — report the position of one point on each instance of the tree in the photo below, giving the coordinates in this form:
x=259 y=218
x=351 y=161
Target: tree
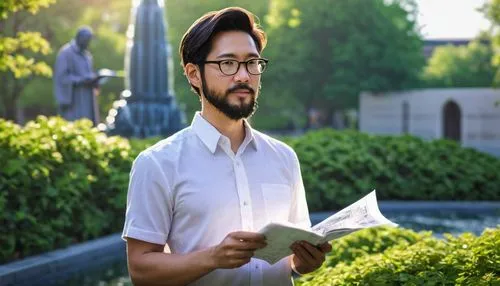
x=12 y=6
x=492 y=11
x=463 y=66
x=18 y=52
x=324 y=53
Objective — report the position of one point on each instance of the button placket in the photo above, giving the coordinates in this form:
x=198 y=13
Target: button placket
x=246 y=215
x=256 y=272
x=244 y=195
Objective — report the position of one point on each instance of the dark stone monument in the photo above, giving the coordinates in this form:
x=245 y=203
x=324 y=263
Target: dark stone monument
x=147 y=107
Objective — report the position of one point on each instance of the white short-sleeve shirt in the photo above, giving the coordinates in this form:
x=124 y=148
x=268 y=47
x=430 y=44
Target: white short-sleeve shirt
x=190 y=190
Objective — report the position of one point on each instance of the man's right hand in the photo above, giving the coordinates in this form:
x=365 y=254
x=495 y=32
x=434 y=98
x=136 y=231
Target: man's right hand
x=236 y=249
x=89 y=79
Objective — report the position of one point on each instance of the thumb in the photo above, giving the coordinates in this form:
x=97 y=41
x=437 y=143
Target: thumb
x=326 y=247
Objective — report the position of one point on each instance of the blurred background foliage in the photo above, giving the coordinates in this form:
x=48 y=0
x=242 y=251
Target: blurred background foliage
x=320 y=58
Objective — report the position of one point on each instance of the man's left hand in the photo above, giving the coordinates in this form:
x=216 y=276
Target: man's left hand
x=307 y=257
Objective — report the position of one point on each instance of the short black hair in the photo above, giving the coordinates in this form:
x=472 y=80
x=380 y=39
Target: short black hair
x=197 y=41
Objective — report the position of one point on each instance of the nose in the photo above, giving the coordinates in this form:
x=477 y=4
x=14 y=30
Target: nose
x=242 y=74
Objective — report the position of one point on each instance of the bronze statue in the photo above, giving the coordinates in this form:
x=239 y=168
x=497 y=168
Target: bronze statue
x=75 y=82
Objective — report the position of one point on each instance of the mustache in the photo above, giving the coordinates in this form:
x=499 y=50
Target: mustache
x=241 y=86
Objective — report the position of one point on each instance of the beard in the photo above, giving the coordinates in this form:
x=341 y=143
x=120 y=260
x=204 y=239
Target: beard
x=221 y=101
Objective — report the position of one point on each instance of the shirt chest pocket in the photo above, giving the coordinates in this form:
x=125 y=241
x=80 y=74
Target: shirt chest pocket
x=277 y=200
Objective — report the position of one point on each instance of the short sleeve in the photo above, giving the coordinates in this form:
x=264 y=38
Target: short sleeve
x=299 y=212
x=149 y=210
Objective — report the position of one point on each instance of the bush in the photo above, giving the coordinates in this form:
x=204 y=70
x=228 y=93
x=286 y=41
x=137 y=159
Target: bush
x=137 y=145
x=371 y=241
x=419 y=259
x=61 y=183
x=338 y=167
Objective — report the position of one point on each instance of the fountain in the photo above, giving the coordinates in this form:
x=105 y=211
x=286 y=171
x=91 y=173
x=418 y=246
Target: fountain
x=147 y=107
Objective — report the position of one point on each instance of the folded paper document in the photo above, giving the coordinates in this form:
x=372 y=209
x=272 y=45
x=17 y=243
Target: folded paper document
x=103 y=75
x=360 y=215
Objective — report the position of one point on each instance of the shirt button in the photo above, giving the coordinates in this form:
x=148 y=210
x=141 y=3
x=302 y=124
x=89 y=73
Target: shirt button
x=245 y=203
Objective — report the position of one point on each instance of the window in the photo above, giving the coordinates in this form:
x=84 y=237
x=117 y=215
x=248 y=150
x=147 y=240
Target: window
x=452 y=121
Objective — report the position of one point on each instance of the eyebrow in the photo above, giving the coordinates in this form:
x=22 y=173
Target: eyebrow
x=231 y=55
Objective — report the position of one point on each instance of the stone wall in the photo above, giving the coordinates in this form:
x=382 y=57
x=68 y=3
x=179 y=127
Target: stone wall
x=479 y=117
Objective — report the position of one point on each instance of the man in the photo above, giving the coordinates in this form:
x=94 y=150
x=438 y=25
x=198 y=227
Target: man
x=206 y=191
x=75 y=86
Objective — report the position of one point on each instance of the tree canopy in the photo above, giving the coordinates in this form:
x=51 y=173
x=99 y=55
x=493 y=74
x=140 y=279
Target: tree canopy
x=492 y=12
x=322 y=53
x=325 y=54
x=464 y=66
x=19 y=50
x=11 y=6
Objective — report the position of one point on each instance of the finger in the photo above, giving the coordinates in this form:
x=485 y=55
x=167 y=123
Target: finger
x=313 y=251
x=303 y=254
x=247 y=245
x=238 y=262
x=241 y=254
x=248 y=236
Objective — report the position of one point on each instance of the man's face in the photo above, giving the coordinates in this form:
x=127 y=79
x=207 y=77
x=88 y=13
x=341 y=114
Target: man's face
x=234 y=95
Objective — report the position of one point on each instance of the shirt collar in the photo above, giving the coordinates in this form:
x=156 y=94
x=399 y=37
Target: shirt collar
x=210 y=136
x=249 y=135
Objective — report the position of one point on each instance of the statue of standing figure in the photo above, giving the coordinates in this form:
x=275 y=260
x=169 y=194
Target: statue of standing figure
x=75 y=84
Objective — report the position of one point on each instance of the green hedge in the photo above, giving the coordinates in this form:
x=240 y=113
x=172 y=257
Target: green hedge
x=138 y=145
x=60 y=183
x=396 y=256
x=338 y=167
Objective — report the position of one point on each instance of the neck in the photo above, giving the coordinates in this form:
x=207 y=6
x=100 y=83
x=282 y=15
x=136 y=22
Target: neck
x=233 y=129
x=77 y=47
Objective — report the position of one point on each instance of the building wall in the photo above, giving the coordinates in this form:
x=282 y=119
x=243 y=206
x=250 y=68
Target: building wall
x=480 y=119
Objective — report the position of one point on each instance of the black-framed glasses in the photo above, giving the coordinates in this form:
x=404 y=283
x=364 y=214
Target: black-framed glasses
x=231 y=67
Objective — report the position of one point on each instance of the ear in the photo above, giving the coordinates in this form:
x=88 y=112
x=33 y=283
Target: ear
x=193 y=74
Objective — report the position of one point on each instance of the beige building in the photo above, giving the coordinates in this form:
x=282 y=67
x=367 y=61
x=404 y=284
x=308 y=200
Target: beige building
x=470 y=116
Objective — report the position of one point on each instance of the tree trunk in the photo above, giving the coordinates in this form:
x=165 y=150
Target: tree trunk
x=7 y=79
x=336 y=117
x=4 y=94
x=20 y=116
x=308 y=109
x=10 y=92
x=17 y=88
x=339 y=119
x=10 y=105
